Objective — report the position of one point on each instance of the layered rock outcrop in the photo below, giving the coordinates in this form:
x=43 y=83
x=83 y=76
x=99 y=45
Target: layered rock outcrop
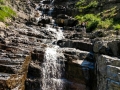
x=14 y=64
x=107 y=66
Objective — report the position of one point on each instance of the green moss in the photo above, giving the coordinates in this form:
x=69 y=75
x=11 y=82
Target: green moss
x=6 y=12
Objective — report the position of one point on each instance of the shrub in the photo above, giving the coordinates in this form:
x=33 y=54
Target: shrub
x=116 y=27
x=85 y=6
x=107 y=23
x=91 y=19
x=6 y=12
x=104 y=19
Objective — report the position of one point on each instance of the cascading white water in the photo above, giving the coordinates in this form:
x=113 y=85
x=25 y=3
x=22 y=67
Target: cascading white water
x=53 y=63
x=52 y=69
x=58 y=32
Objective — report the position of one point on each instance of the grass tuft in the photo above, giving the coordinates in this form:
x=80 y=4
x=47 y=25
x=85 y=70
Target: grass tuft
x=5 y=11
x=116 y=27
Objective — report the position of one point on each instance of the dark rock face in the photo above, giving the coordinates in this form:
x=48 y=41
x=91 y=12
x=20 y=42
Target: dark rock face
x=64 y=20
x=114 y=46
x=76 y=44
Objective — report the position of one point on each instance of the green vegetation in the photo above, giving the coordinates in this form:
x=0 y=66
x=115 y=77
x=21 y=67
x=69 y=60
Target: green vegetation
x=97 y=19
x=117 y=27
x=85 y=6
x=5 y=11
x=94 y=22
x=2 y=1
x=106 y=24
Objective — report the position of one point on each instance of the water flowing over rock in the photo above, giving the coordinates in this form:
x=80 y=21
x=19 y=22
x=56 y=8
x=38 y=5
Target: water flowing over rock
x=52 y=69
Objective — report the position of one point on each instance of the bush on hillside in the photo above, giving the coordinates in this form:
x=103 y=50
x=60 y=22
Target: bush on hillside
x=6 y=12
x=105 y=24
x=91 y=19
x=85 y=6
x=104 y=19
x=116 y=27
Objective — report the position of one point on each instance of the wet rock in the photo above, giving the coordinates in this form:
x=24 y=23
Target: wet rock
x=32 y=84
x=34 y=70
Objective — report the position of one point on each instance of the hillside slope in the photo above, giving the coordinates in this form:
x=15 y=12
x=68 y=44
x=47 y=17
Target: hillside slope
x=102 y=14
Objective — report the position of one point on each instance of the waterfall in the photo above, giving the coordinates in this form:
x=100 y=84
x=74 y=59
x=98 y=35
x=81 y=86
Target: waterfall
x=58 y=32
x=52 y=69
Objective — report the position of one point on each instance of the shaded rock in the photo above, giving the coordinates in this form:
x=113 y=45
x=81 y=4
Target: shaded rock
x=76 y=44
x=97 y=46
x=32 y=84
x=115 y=47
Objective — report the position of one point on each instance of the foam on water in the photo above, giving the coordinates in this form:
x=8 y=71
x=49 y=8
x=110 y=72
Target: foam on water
x=59 y=33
